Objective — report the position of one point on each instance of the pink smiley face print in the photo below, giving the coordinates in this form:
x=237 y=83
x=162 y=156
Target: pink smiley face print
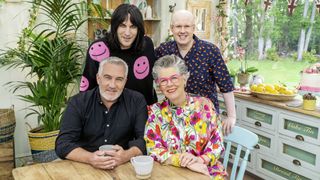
x=84 y=83
x=99 y=51
x=141 y=67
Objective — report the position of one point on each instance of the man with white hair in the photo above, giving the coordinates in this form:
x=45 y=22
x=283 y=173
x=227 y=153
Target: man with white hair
x=205 y=63
x=107 y=114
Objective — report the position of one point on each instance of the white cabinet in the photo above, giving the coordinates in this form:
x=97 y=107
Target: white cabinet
x=289 y=142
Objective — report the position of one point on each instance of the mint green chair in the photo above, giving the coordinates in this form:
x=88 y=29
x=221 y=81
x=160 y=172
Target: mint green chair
x=244 y=140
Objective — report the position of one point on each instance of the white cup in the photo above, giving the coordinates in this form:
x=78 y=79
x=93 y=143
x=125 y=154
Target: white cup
x=142 y=166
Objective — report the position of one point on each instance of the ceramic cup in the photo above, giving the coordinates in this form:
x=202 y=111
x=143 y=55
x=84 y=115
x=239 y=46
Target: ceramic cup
x=106 y=147
x=142 y=166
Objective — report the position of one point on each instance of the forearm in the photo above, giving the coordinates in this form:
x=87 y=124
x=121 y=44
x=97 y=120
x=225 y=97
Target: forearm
x=132 y=152
x=230 y=104
x=80 y=155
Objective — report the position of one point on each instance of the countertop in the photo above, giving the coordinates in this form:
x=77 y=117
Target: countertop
x=279 y=104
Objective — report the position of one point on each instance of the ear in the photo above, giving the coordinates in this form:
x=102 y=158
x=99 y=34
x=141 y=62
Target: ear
x=98 y=79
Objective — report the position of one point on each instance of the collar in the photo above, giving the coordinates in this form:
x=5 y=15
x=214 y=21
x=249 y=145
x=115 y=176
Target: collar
x=99 y=99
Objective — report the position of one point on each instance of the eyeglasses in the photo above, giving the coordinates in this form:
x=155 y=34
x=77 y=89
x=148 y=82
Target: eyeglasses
x=165 y=80
x=185 y=27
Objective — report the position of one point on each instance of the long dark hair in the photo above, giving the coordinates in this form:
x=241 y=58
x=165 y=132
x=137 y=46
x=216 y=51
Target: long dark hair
x=119 y=16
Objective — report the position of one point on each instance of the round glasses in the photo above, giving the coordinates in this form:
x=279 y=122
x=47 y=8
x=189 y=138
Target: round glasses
x=174 y=79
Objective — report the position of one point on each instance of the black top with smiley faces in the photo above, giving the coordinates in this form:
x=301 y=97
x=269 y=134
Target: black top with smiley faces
x=140 y=67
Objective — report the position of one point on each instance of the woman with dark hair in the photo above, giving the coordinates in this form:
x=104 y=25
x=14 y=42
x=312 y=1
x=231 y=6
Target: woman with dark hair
x=127 y=41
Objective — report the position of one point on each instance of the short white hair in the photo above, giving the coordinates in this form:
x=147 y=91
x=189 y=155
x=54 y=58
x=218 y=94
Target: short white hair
x=113 y=60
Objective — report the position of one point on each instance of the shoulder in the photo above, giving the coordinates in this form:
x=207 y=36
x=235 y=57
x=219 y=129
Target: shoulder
x=148 y=42
x=201 y=100
x=83 y=98
x=166 y=44
x=133 y=96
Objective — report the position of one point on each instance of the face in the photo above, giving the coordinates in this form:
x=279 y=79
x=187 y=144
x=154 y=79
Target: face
x=84 y=84
x=99 y=51
x=111 y=82
x=182 y=29
x=171 y=83
x=127 y=33
x=141 y=67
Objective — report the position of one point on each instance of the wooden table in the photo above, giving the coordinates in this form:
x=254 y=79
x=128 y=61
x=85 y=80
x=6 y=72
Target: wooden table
x=65 y=169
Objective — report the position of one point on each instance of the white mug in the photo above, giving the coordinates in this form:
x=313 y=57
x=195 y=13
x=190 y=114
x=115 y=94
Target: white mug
x=142 y=166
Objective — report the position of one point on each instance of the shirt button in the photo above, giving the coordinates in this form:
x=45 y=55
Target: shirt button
x=106 y=112
x=108 y=125
x=106 y=140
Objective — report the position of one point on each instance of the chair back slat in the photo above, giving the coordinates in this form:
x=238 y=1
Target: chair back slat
x=243 y=139
x=226 y=154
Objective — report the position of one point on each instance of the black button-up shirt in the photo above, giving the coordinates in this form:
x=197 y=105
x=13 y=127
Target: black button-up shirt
x=87 y=123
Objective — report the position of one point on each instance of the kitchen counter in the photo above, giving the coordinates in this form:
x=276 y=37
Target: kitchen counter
x=279 y=104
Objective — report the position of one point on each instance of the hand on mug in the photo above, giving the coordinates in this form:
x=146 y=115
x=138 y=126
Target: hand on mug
x=98 y=160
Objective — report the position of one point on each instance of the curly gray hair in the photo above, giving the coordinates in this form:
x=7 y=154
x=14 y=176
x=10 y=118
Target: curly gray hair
x=170 y=61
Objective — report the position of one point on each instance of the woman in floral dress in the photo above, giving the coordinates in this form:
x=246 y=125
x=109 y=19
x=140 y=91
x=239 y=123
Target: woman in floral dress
x=183 y=129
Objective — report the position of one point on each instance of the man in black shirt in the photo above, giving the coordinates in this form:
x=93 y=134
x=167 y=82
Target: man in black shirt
x=107 y=114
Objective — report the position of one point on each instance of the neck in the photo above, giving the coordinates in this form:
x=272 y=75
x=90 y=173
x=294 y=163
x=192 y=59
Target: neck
x=184 y=49
x=179 y=102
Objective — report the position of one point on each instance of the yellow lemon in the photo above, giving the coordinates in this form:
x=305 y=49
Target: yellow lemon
x=289 y=92
x=260 y=89
x=277 y=87
x=253 y=87
x=269 y=88
x=261 y=85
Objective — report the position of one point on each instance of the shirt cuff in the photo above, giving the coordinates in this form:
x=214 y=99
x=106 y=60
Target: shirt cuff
x=140 y=143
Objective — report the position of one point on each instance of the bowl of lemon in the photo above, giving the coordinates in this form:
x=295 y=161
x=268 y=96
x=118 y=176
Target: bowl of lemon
x=273 y=92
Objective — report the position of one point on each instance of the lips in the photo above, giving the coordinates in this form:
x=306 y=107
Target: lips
x=171 y=90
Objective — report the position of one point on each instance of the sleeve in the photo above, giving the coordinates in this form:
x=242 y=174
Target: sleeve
x=97 y=52
x=156 y=145
x=140 y=120
x=220 y=72
x=70 y=130
x=215 y=146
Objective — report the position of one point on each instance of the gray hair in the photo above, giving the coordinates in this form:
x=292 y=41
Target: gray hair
x=113 y=60
x=170 y=61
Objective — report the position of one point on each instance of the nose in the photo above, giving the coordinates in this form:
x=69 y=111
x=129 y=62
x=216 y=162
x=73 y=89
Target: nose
x=112 y=84
x=127 y=31
x=169 y=82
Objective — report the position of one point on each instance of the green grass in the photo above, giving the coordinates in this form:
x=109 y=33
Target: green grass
x=285 y=71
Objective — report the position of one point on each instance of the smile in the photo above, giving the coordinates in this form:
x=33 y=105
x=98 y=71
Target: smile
x=142 y=71
x=100 y=53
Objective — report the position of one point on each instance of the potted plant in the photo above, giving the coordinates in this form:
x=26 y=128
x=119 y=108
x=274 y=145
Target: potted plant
x=309 y=102
x=233 y=74
x=51 y=54
x=244 y=71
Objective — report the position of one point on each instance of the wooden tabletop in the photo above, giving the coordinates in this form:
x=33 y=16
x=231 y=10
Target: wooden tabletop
x=65 y=169
x=279 y=104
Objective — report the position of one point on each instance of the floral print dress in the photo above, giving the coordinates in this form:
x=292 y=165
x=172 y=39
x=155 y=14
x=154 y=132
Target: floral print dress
x=193 y=128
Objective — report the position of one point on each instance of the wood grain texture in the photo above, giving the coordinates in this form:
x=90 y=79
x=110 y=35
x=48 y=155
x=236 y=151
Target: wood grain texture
x=65 y=169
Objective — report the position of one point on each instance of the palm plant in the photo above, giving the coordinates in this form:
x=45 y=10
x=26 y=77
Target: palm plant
x=52 y=56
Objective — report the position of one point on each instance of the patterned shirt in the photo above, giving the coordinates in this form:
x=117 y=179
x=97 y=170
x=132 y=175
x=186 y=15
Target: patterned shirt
x=206 y=66
x=193 y=128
